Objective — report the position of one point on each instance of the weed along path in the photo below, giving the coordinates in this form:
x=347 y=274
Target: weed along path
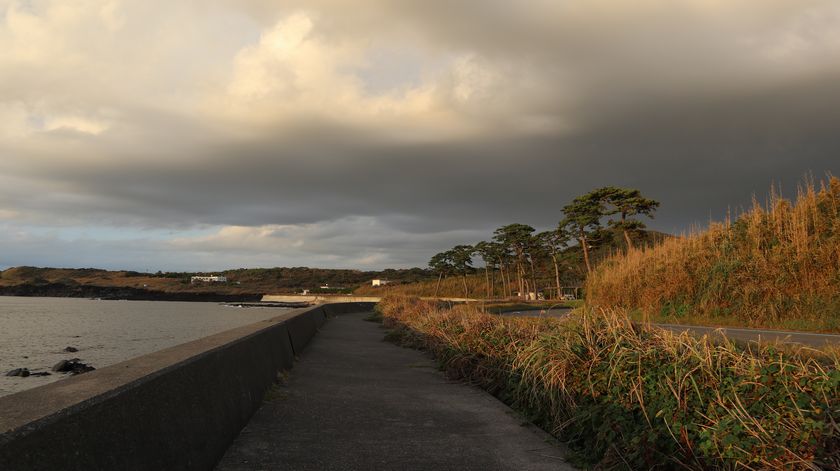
x=356 y=402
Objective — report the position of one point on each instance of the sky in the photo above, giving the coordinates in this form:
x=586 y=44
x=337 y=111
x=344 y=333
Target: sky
x=212 y=134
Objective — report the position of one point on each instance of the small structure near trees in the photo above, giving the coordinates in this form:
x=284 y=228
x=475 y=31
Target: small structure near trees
x=208 y=279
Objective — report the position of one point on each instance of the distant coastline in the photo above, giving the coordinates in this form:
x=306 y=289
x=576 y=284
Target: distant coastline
x=61 y=290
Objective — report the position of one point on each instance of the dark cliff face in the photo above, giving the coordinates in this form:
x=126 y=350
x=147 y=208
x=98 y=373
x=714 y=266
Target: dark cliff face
x=61 y=290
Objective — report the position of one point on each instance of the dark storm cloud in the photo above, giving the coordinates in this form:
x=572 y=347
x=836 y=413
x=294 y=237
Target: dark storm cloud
x=285 y=154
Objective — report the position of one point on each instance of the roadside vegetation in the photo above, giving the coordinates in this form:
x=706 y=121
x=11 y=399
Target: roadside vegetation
x=775 y=266
x=631 y=397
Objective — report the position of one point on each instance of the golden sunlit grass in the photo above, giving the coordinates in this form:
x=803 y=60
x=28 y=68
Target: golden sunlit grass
x=630 y=397
x=775 y=266
x=452 y=286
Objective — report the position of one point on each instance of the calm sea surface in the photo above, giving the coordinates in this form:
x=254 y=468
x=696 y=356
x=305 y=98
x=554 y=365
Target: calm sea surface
x=35 y=331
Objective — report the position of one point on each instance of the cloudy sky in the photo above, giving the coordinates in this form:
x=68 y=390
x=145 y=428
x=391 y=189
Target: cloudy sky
x=209 y=134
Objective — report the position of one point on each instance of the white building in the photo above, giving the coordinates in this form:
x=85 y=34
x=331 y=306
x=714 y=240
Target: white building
x=209 y=279
x=379 y=282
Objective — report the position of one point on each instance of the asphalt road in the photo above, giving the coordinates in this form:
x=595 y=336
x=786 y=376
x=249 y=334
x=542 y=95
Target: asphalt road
x=556 y=313
x=759 y=335
x=747 y=335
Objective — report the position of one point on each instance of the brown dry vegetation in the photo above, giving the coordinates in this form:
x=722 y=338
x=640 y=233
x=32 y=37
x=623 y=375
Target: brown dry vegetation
x=628 y=397
x=775 y=266
x=452 y=286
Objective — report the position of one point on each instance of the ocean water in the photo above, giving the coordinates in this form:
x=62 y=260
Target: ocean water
x=35 y=331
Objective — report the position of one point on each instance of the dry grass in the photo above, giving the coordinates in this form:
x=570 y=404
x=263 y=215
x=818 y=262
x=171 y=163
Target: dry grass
x=628 y=397
x=452 y=286
x=775 y=266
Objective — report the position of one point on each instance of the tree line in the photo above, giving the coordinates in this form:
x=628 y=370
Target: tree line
x=514 y=251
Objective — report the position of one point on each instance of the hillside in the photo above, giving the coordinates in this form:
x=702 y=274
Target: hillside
x=248 y=283
x=774 y=266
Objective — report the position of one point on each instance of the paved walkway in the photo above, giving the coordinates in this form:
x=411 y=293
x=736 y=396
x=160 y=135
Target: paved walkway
x=356 y=402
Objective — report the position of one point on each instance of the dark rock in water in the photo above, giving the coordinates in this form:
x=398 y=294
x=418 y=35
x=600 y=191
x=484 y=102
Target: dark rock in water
x=22 y=372
x=71 y=349
x=72 y=366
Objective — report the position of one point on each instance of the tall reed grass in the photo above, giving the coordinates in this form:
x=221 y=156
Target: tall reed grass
x=776 y=265
x=630 y=397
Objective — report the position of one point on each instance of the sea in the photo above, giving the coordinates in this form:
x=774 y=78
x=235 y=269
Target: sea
x=35 y=332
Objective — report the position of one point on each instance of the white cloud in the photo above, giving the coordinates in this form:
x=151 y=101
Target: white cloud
x=296 y=71
x=9 y=214
x=15 y=119
x=74 y=123
x=365 y=242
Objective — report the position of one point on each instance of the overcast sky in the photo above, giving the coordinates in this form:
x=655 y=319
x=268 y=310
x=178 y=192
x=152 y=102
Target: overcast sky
x=211 y=134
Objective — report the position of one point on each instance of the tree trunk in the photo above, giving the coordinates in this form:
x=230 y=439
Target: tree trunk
x=466 y=291
x=493 y=282
x=626 y=234
x=534 y=278
x=502 y=276
x=585 y=246
x=487 y=279
x=437 y=287
x=556 y=274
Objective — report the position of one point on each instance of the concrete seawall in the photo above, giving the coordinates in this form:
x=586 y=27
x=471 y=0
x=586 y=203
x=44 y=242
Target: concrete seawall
x=178 y=408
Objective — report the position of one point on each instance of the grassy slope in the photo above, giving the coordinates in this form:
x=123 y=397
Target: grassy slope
x=775 y=267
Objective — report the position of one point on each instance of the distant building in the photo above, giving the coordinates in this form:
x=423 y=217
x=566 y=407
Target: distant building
x=208 y=279
x=379 y=282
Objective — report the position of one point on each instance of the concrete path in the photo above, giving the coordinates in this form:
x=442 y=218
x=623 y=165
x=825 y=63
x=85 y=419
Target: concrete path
x=356 y=402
